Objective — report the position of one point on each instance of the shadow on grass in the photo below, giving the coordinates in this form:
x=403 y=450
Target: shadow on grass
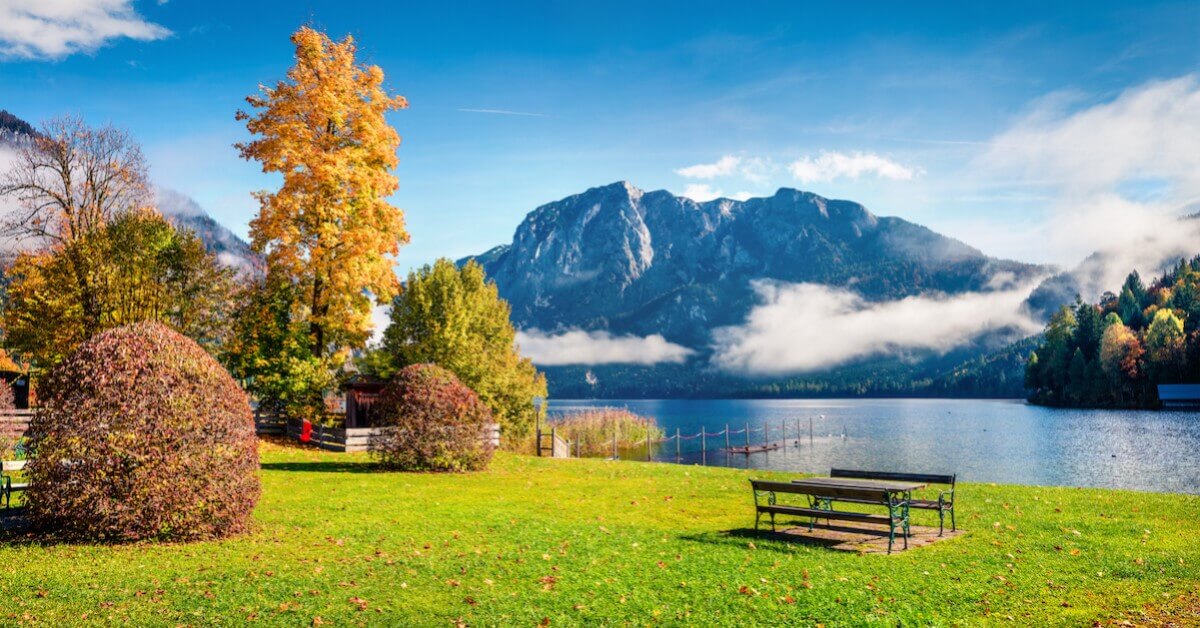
x=739 y=537
x=324 y=467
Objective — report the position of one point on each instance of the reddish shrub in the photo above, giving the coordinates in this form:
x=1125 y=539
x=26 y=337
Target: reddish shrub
x=142 y=435
x=431 y=422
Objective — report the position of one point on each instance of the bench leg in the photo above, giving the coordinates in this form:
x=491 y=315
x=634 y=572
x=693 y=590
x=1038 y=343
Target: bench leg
x=953 y=526
x=757 y=515
x=941 y=521
x=772 y=522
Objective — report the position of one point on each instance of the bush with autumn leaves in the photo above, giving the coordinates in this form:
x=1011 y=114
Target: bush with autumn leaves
x=142 y=435
x=431 y=422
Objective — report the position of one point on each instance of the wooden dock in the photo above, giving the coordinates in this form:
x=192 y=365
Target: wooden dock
x=755 y=449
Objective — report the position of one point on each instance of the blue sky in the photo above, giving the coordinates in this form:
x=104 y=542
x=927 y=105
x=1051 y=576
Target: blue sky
x=930 y=112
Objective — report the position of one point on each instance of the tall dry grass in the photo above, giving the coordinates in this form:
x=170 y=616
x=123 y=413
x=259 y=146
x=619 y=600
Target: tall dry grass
x=594 y=429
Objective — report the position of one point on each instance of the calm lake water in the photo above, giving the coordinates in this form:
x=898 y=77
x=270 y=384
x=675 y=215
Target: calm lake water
x=1004 y=441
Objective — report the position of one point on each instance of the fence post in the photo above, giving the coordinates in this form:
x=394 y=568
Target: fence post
x=798 y=432
x=576 y=445
x=615 y=456
x=647 y=444
x=537 y=444
x=766 y=429
x=703 y=442
x=810 y=436
x=677 y=456
x=747 y=438
x=553 y=442
x=726 y=438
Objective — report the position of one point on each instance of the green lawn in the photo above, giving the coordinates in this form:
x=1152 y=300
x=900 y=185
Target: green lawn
x=591 y=541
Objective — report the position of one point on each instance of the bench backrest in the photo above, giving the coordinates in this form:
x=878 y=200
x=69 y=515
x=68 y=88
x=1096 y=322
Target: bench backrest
x=924 y=478
x=832 y=492
x=12 y=465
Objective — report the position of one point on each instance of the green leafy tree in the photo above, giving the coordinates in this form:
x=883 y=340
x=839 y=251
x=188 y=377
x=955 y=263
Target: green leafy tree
x=455 y=318
x=142 y=269
x=1165 y=343
x=270 y=352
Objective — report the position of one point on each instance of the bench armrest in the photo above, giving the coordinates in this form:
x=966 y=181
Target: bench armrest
x=942 y=496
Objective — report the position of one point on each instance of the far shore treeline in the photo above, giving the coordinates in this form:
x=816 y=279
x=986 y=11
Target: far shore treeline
x=1116 y=352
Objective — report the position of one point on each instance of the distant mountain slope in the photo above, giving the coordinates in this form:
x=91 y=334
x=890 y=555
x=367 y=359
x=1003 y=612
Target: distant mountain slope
x=618 y=259
x=185 y=212
x=10 y=124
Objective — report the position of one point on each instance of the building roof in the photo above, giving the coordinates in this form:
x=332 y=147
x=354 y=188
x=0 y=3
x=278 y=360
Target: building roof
x=1179 y=392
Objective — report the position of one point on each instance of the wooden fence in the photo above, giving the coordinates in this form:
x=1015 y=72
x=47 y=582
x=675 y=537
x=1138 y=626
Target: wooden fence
x=357 y=438
x=15 y=421
x=552 y=444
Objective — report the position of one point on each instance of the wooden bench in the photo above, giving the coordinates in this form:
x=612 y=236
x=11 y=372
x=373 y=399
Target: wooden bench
x=820 y=499
x=943 y=504
x=7 y=487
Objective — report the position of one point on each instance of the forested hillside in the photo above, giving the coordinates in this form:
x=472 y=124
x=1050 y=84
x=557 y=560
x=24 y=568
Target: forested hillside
x=1115 y=352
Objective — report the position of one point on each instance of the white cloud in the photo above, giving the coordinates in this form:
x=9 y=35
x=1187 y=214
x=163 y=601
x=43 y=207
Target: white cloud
x=723 y=167
x=52 y=29
x=597 y=347
x=1116 y=175
x=807 y=327
x=835 y=165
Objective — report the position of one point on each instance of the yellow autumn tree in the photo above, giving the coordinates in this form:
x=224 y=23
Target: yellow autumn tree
x=328 y=230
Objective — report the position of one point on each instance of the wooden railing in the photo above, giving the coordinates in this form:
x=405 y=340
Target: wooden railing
x=15 y=421
x=552 y=444
x=358 y=438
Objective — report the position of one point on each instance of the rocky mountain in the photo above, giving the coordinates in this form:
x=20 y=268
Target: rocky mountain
x=11 y=124
x=618 y=259
x=186 y=213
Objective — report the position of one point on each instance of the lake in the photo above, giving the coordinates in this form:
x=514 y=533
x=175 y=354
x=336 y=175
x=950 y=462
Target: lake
x=1003 y=441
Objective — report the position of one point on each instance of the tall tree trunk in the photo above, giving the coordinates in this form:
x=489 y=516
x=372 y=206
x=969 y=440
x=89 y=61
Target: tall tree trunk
x=316 y=314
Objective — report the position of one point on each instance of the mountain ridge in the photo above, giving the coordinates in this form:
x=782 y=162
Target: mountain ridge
x=618 y=259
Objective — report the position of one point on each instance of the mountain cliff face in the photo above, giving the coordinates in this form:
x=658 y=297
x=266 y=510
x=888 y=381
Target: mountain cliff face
x=618 y=259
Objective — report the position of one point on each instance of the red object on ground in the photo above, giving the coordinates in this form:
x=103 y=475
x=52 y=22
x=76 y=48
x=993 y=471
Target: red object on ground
x=306 y=431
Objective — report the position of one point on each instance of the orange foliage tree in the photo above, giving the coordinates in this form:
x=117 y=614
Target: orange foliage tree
x=329 y=229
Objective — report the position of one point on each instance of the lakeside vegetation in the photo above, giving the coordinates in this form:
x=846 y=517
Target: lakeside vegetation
x=585 y=541
x=595 y=430
x=1115 y=352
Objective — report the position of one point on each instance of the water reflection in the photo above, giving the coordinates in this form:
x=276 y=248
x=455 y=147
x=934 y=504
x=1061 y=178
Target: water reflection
x=981 y=440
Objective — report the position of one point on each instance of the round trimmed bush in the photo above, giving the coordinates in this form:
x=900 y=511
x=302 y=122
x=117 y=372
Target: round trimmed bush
x=142 y=435
x=431 y=422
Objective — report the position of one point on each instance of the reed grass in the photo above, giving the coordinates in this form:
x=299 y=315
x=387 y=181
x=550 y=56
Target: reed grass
x=594 y=429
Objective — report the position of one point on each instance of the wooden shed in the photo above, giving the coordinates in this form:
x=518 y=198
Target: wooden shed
x=361 y=393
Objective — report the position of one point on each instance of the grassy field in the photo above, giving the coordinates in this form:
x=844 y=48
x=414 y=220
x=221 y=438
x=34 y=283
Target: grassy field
x=589 y=541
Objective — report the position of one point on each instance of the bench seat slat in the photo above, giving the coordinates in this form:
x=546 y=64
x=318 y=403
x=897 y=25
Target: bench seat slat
x=867 y=496
x=927 y=478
